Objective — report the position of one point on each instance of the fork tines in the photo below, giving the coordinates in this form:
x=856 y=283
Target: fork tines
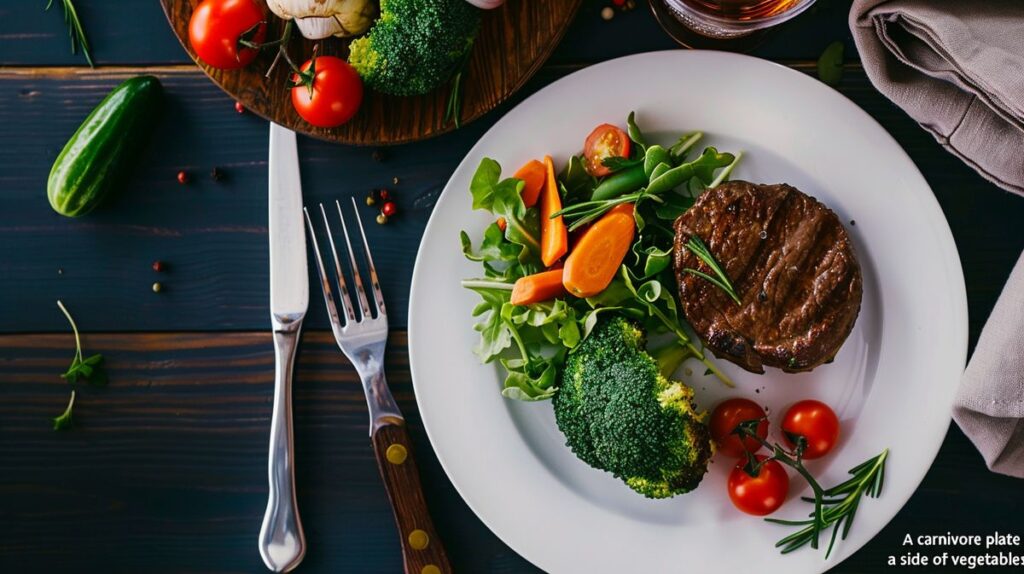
x=366 y=314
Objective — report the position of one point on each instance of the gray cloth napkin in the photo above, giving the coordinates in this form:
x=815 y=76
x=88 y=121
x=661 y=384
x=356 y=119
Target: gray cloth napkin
x=990 y=404
x=957 y=67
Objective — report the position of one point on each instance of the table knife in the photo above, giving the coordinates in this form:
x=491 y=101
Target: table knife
x=282 y=542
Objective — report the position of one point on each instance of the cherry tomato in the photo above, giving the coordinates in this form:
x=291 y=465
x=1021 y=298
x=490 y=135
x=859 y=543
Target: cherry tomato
x=816 y=423
x=605 y=141
x=217 y=25
x=762 y=494
x=727 y=416
x=337 y=92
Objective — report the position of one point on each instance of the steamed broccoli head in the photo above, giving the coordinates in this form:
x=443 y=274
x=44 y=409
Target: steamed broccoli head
x=415 y=45
x=619 y=414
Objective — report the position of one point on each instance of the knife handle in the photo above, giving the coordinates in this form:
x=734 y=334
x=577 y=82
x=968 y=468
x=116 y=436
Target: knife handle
x=422 y=550
x=282 y=542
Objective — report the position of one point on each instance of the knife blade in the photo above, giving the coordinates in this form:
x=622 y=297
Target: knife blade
x=282 y=542
x=289 y=278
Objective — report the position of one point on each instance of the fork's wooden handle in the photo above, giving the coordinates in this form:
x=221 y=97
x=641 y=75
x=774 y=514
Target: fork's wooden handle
x=422 y=550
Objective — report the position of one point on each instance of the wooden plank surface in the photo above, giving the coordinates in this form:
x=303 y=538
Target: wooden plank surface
x=166 y=470
x=136 y=32
x=213 y=235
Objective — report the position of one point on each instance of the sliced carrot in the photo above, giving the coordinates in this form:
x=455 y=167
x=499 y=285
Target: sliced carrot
x=554 y=238
x=596 y=258
x=538 y=287
x=533 y=174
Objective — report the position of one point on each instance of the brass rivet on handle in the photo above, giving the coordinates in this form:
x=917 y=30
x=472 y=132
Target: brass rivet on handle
x=419 y=539
x=430 y=569
x=396 y=454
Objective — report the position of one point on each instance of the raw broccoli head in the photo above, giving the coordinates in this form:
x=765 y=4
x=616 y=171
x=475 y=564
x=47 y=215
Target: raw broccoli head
x=619 y=414
x=414 y=45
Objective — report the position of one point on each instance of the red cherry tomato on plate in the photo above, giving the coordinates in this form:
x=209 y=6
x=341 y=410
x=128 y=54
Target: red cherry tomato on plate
x=816 y=423
x=337 y=92
x=762 y=494
x=727 y=416
x=217 y=25
x=605 y=141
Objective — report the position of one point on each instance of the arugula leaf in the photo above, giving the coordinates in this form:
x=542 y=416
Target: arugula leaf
x=522 y=384
x=64 y=421
x=654 y=258
x=620 y=163
x=502 y=198
x=575 y=182
x=673 y=205
x=500 y=257
x=495 y=335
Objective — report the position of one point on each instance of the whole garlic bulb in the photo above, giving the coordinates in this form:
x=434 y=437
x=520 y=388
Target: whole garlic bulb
x=318 y=19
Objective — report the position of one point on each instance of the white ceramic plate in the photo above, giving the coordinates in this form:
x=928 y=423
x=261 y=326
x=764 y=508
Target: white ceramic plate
x=892 y=383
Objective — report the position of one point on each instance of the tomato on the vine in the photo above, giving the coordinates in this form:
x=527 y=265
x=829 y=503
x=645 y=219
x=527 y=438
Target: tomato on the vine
x=217 y=26
x=329 y=94
x=762 y=494
x=816 y=423
x=604 y=142
x=727 y=416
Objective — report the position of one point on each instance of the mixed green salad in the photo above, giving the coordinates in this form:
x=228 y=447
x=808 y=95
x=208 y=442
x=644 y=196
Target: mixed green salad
x=559 y=256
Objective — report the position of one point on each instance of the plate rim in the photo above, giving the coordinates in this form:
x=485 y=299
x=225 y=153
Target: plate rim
x=935 y=218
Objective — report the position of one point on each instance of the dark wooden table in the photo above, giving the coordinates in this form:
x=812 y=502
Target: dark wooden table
x=165 y=471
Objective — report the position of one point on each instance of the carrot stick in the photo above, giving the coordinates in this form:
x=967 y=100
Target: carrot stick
x=533 y=174
x=538 y=287
x=554 y=238
x=596 y=258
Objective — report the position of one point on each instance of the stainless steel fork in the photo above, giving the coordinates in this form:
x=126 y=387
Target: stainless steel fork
x=362 y=337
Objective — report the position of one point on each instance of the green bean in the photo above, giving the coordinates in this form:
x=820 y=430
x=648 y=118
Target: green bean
x=659 y=170
x=670 y=179
x=621 y=183
x=654 y=156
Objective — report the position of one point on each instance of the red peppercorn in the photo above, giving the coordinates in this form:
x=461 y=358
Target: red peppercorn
x=182 y=177
x=239 y=107
x=389 y=208
x=158 y=266
x=384 y=195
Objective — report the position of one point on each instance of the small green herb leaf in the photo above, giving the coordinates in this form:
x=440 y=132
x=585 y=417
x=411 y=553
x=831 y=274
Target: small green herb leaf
x=64 y=421
x=830 y=64
x=90 y=368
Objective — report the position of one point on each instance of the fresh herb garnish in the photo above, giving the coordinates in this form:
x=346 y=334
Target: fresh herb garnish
x=64 y=421
x=75 y=30
x=90 y=368
x=835 y=507
x=830 y=64
x=720 y=280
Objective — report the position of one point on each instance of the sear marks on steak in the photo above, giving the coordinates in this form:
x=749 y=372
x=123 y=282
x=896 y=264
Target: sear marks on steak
x=792 y=265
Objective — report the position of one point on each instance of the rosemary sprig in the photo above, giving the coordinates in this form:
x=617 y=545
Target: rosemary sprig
x=580 y=214
x=75 y=30
x=835 y=507
x=720 y=280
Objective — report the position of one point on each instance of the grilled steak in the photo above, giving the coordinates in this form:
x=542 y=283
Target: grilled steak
x=792 y=265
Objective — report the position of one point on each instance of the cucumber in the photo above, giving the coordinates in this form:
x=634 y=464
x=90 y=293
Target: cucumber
x=105 y=147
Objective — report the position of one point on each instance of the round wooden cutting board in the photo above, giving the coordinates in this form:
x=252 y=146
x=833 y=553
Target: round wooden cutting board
x=513 y=42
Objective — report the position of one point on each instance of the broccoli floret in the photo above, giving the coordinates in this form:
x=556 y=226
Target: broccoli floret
x=414 y=45
x=619 y=414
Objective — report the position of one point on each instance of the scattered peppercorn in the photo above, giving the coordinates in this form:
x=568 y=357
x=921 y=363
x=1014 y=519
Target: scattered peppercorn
x=158 y=266
x=630 y=4
x=394 y=180
x=60 y=271
x=618 y=2
x=389 y=209
x=378 y=155
x=216 y=174
x=370 y=200
x=607 y=13
x=157 y=287
x=239 y=107
x=384 y=194
x=381 y=218
x=182 y=177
